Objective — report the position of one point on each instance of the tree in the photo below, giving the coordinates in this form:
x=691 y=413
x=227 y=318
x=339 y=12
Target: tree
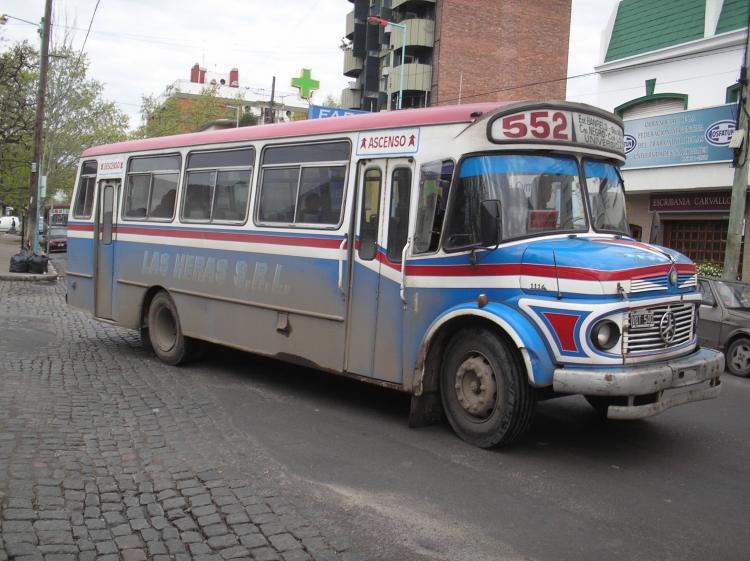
x=331 y=101
x=181 y=112
x=18 y=73
x=248 y=119
x=76 y=118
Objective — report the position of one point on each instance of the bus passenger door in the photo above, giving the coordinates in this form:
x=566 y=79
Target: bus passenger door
x=375 y=307
x=104 y=248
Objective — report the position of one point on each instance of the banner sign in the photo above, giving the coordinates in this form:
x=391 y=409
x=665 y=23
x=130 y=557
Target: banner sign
x=321 y=112
x=717 y=201
x=688 y=137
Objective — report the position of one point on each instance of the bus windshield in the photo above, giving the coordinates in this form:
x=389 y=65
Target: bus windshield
x=538 y=194
x=607 y=197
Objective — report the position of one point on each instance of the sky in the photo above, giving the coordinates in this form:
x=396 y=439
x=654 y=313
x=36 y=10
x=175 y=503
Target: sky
x=139 y=47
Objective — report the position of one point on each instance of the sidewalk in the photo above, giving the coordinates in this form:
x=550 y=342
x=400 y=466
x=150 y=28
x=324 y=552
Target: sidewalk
x=11 y=245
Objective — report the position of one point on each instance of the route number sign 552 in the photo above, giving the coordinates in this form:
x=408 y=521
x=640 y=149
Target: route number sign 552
x=534 y=125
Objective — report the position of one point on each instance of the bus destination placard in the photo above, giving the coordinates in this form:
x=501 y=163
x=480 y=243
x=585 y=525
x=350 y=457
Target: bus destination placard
x=559 y=126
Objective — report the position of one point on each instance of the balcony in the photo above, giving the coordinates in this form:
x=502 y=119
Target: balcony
x=352 y=65
x=351 y=99
x=416 y=77
x=419 y=33
x=396 y=3
x=350 y=25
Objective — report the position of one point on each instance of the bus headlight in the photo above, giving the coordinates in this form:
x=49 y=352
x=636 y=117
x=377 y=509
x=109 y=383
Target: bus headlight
x=605 y=334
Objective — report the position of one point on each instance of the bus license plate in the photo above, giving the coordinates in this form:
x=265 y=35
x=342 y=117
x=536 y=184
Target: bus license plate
x=642 y=318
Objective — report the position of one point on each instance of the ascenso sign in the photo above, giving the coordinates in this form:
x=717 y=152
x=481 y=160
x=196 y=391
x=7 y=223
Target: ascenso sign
x=401 y=141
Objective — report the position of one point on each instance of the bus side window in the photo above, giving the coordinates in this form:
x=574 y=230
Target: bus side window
x=434 y=187
x=278 y=190
x=85 y=196
x=303 y=184
x=398 y=217
x=151 y=187
x=136 y=196
x=368 y=225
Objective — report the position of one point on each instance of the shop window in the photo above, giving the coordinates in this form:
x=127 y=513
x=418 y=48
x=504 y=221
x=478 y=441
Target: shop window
x=703 y=241
x=636 y=232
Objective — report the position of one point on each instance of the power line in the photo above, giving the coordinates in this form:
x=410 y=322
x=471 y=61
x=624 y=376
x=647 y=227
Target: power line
x=90 y=24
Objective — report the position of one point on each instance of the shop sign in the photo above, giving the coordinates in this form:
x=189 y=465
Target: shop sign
x=688 y=137
x=719 y=201
x=322 y=112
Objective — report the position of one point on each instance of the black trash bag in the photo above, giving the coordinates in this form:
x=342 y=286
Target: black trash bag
x=26 y=252
x=37 y=264
x=19 y=263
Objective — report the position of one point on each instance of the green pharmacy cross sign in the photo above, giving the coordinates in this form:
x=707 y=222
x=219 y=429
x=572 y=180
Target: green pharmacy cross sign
x=305 y=84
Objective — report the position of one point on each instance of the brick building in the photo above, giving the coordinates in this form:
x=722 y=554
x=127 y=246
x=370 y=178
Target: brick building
x=455 y=50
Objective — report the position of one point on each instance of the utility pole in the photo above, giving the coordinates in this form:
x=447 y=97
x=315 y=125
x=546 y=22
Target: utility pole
x=739 y=186
x=273 y=93
x=31 y=236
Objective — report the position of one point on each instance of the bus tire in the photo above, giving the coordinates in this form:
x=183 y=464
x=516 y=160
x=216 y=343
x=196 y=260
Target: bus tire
x=165 y=332
x=486 y=396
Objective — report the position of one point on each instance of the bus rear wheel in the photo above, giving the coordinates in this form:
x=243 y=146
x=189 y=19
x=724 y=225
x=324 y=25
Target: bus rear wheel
x=485 y=393
x=165 y=332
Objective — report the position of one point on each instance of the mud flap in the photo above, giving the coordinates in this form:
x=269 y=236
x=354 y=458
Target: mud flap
x=426 y=410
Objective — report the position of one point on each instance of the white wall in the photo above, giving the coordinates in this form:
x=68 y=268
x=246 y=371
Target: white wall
x=704 y=77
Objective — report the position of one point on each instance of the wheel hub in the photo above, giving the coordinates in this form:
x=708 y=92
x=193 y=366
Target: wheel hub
x=476 y=388
x=741 y=358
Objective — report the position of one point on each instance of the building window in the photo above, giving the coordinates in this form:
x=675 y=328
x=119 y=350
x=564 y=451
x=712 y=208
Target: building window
x=703 y=241
x=733 y=93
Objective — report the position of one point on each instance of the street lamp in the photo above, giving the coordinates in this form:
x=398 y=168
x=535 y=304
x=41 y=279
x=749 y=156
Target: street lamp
x=386 y=23
x=238 y=114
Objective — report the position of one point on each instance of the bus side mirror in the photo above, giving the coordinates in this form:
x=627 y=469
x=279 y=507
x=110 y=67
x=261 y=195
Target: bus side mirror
x=491 y=222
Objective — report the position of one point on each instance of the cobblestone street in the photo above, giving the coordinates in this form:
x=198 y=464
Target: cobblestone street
x=105 y=453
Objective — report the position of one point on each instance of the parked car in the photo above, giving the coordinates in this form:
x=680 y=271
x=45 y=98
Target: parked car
x=9 y=223
x=724 y=322
x=58 y=239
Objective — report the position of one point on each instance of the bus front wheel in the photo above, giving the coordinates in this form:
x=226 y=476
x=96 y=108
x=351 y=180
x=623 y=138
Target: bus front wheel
x=486 y=396
x=164 y=331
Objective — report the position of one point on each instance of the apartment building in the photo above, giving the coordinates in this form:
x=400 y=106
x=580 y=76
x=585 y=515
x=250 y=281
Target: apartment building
x=454 y=51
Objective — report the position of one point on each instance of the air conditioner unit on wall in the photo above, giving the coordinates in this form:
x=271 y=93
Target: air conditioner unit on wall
x=385 y=71
x=355 y=85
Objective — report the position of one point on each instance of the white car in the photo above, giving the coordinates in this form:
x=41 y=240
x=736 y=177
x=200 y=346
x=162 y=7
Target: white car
x=8 y=223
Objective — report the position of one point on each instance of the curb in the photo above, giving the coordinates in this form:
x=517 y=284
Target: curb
x=51 y=276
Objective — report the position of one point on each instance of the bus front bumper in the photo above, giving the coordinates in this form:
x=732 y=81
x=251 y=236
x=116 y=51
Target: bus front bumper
x=704 y=365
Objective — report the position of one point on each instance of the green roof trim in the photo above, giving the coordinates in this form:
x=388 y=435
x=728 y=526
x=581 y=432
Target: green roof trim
x=620 y=109
x=733 y=16
x=642 y=26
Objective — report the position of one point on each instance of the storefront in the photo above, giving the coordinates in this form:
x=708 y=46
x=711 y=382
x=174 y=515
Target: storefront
x=680 y=166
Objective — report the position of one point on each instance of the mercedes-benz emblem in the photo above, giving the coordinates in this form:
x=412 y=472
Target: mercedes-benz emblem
x=667 y=327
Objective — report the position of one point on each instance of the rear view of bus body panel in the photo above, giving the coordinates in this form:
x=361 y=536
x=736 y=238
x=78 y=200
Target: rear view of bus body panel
x=80 y=266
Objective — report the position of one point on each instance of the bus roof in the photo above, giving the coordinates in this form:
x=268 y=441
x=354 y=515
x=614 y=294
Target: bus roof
x=371 y=121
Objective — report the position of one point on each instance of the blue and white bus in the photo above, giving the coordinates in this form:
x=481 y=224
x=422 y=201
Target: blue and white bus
x=475 y=256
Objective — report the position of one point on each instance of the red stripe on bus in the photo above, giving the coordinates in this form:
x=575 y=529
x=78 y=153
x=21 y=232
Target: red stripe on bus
x=244 y=237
